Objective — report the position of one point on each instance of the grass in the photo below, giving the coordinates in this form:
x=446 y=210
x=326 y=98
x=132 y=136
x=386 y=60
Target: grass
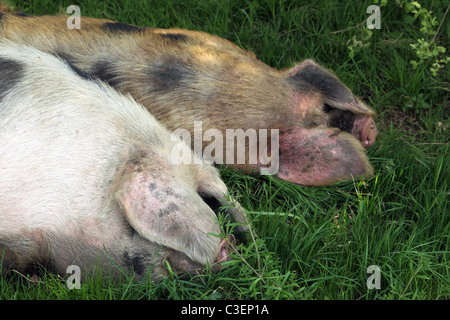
x=314 y=243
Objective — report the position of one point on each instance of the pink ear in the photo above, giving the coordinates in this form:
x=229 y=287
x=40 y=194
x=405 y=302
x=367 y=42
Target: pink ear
x=321 y=156
x=164 y=211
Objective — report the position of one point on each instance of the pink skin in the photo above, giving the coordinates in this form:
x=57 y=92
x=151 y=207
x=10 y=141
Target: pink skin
x=364 y=130
x=320 y=156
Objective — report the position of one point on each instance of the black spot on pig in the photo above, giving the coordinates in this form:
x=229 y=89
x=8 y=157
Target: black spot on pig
x=170 y=74
x=11 y=72
x=323 y=81
x=121 y=27
x=169 y=193
x=152 y=186
x=135 y=262
x=342 y=119
x=21 y=14
x=307 y=168
x=105 y=70
x=169 y=209
x=175 y=36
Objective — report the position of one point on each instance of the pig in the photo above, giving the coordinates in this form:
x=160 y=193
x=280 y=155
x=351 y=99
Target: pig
x=87 y=178
x=184 y=76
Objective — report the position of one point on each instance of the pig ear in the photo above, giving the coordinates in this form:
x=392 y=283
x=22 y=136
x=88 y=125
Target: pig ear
x=214 y=192
x=334 y=92
x=169 y=215
x=321 y=156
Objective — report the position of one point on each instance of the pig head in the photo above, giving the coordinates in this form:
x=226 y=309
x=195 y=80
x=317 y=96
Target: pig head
x=328 y=147
x=184 y=76
x=174 y=213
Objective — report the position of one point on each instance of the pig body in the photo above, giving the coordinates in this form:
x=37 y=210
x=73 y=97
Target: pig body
x=184 y=76
x=87 y=177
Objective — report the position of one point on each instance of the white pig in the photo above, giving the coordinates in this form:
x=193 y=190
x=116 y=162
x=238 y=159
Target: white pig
x=87 y=177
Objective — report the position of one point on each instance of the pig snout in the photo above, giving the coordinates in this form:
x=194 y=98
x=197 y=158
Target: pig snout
x=224 y=253
x=181 y=263
x=365 y=130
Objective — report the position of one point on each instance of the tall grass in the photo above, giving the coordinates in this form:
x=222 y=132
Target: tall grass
x=313 y=243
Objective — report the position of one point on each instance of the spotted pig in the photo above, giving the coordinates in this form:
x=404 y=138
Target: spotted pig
x=87 y=178
x=184 y=76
